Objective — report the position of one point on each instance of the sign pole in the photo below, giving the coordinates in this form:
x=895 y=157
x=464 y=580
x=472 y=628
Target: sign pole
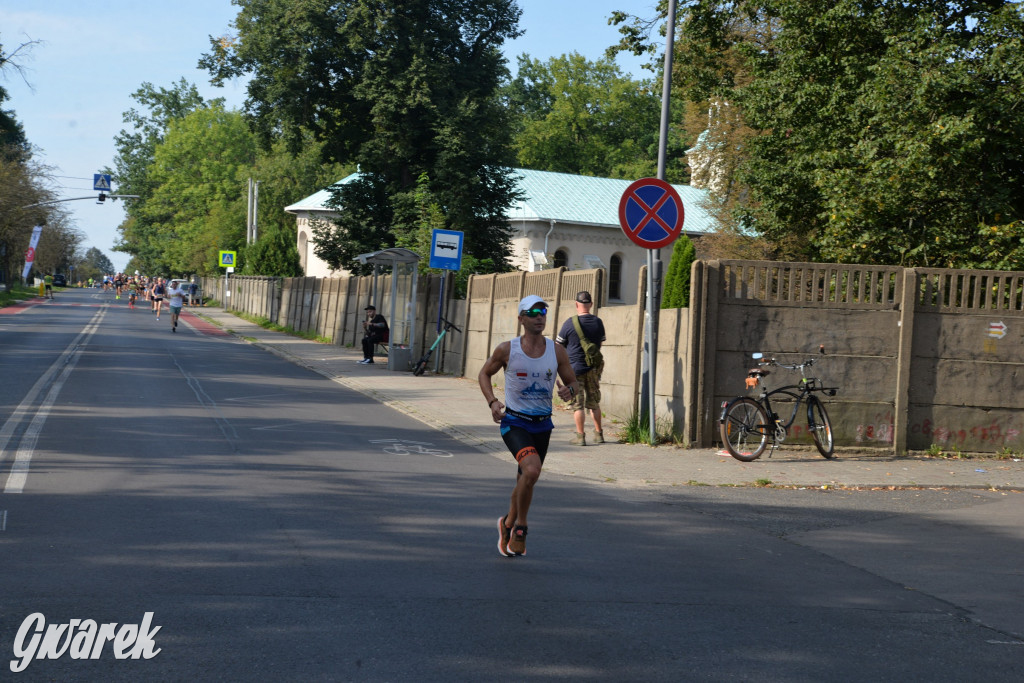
x=440 y=316
x=654 y=264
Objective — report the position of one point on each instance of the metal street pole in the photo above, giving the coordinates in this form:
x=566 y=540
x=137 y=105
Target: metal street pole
x=654 y=255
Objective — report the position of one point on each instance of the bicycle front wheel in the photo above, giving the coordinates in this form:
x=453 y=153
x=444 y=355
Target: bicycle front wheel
x=820 y=427
x=744 y=428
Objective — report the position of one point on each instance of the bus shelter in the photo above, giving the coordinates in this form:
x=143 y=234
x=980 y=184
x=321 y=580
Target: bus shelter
x=404 y=265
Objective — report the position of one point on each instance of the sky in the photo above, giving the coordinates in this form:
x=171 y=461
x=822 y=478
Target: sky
x=91 y=58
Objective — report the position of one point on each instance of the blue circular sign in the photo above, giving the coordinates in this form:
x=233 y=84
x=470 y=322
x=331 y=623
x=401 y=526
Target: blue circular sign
x=651 y=213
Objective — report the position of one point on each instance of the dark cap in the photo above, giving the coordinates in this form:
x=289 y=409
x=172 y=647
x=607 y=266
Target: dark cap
x=371 y=307
x=584 y=298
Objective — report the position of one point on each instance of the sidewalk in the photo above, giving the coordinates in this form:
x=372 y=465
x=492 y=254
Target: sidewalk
x=455 y=406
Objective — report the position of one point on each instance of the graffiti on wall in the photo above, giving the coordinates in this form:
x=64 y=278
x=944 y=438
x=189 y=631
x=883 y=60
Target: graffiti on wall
x=880 y=430
x=992 y=433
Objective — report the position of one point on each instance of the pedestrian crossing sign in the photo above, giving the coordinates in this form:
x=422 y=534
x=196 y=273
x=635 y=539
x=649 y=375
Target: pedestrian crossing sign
x=101 y=182
x=227 y=258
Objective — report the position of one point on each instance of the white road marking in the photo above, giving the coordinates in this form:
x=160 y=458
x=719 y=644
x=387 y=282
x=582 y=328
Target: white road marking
x=23 y=458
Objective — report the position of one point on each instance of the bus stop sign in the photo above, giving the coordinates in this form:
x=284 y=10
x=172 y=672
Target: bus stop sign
x=651 y=213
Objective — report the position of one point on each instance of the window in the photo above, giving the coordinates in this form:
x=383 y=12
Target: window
x=615 y=277
x=561 y=259
x=302 y=250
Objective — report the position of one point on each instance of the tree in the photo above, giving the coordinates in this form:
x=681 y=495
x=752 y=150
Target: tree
x=676 y=289
x=709 y=65
x=885 y=132
x=94 y=264
x=13 y=143
x=399 y=87
x=273 y=254
x=912 y=148
x=583 y=117
x=134 y=164
x=197 y=205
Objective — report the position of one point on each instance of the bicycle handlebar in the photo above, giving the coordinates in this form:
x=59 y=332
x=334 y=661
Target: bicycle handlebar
x=806 y=364
x=450 y=324
x=774 y=363
x=808 y=383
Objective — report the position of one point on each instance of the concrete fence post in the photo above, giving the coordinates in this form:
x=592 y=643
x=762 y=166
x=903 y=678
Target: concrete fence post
x=691 y=373
x=904 y=359
x=711 y=290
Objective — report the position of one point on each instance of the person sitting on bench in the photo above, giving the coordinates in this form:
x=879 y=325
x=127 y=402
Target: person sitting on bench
x=376 y=327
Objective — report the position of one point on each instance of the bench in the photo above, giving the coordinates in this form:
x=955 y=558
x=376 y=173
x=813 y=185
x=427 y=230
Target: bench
x=382 y=344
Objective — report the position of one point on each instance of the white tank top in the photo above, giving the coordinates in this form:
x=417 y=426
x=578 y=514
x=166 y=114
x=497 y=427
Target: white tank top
x=530 y=381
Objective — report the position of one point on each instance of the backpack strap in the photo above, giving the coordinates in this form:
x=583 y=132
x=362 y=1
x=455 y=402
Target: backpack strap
x=579 y=329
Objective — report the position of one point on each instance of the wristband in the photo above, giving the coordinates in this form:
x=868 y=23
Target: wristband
x=491 y=402
x=572 y=392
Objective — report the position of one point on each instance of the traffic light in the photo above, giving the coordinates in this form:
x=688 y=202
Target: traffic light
x=99 y=200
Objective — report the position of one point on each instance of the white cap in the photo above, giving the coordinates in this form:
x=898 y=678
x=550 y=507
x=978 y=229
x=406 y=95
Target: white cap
x=529 y=302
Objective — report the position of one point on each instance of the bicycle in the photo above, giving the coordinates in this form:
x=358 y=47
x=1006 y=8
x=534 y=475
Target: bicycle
x=746 y=424
x=421 y=364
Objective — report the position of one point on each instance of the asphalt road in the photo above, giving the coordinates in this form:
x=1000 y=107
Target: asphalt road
x=279 y=526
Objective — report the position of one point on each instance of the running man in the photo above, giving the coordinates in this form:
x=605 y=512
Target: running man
x=175 y=299
x=531 y=363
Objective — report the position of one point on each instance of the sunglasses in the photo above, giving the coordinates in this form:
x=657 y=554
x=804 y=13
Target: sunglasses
x=534 y=312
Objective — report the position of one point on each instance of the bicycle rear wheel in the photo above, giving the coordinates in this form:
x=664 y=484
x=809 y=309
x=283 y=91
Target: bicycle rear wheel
x=820 y=427
x=744 y=428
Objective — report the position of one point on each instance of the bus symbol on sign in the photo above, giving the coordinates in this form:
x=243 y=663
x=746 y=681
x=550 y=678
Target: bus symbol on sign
x=446 y=249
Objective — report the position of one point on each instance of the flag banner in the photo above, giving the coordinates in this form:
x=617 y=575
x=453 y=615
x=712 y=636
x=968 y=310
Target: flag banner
x=30 y=254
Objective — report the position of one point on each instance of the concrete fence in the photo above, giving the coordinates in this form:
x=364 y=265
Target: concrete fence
x=921 y=357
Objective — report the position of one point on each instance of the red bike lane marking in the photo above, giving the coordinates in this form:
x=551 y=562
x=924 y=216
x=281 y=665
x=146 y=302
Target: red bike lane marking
x=20 y=307
x=203 y=326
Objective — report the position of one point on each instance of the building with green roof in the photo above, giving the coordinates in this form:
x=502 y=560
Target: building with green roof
x=563 y=220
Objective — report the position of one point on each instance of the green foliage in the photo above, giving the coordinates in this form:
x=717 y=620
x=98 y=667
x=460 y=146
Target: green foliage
x=134 y=165
x=197 y=204
x=637 y=429
x=273 y=254
x=422 y=215
x=676 y=288
x=15 y=292
x=890 y=132
x=93 y=264
x=400 y=87
x=583 y=117
x=999 y=247
x=883 y=132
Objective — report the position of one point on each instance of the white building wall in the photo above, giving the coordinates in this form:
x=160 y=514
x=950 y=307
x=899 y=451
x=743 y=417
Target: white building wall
x=580 y=243
x=312 y=265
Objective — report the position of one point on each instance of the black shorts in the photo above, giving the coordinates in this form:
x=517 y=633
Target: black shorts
x=522 y=443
